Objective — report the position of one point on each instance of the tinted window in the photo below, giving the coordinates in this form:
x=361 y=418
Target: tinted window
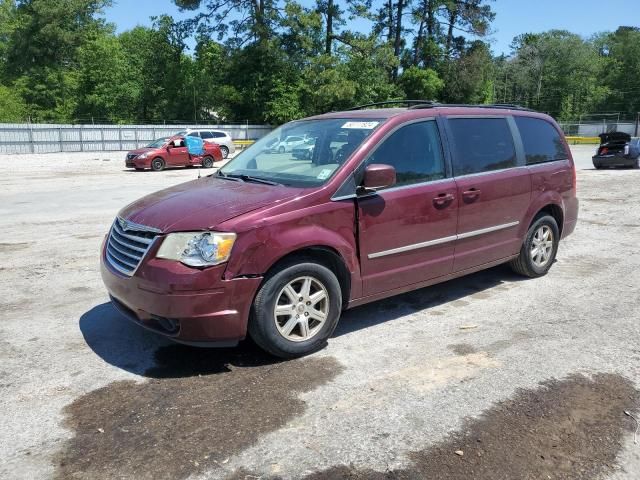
x=481 y=145
x=219 y=134
x=206 y=135
x=541 y=140
x=414 y=151
x=193 y=134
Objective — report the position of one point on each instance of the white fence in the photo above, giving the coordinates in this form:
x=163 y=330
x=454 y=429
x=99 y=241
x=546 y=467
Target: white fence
x=47 y=138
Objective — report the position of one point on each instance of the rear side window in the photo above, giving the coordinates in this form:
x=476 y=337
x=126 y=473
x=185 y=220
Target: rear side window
x=193 y=134
x=481 y=145
x=541 y=141
x=414 y=151
x=218 y=135
x=204 y=134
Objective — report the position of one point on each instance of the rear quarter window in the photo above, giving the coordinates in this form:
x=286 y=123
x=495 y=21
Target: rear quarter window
x=541 y=141
x=481 y=145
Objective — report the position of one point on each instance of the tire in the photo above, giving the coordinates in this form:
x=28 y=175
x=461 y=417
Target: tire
x=637 y=165
x=281 y=150
x=269 y=330
x=207 y=162
x=157 y=164
x=526 y=263
x=224 y=150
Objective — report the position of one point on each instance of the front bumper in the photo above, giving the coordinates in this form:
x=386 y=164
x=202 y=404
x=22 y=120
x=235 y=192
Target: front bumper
x=185 y=304
x=137 y=162
x=613 y=161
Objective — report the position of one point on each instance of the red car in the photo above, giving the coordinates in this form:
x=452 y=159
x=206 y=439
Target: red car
x=171 y=152
x=391 y=200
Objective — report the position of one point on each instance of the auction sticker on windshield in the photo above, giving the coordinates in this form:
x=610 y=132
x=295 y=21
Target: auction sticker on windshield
x=324 y=174
x=361 y=125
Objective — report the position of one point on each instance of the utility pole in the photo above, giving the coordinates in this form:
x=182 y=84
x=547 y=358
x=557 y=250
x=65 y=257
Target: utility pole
x=195 y=112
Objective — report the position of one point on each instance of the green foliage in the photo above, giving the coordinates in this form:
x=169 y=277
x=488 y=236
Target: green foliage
x=557 y=72
x=621 y=52
x=278 y=60
x=12 y=107
x=420 y=83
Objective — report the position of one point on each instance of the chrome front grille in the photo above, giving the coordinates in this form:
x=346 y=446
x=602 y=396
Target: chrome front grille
x=127 y=245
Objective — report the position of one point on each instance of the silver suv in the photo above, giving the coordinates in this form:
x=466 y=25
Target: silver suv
x=214 y=136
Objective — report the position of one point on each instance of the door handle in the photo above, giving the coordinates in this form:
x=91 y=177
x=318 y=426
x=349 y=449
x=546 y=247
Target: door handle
x=443 y=199
x=471 y=195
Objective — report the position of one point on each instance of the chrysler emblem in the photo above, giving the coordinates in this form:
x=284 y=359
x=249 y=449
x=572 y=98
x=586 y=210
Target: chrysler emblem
x=124 y=225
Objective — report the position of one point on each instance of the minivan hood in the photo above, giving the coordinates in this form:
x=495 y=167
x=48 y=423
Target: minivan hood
x=202 y=204
x=619 y=137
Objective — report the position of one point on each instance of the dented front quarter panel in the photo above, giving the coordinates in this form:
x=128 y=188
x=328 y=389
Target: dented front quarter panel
x=269 y=234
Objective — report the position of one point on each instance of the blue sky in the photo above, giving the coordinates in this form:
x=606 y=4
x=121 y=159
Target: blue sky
x=513 y=17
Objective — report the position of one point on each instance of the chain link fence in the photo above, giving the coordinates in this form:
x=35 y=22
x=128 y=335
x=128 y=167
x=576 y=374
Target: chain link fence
x=50 y=138
x=595 y=128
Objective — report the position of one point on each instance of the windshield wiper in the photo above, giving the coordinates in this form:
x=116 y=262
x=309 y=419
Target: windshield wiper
x=219 y=174
x=249 y=178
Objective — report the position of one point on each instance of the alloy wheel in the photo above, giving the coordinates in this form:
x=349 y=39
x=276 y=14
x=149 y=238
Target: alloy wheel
x=542 y=246
x=301 y=309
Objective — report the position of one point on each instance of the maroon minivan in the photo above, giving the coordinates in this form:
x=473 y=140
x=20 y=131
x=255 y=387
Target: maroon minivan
x=390 y=200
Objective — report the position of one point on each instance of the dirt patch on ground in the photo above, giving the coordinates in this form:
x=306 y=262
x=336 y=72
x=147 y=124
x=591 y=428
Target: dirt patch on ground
x=569 y=429
x=174 y=427
x=12 y=247
x=462 y=349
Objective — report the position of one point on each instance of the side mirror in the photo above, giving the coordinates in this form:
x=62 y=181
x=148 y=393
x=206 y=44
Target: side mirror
x=379 y=175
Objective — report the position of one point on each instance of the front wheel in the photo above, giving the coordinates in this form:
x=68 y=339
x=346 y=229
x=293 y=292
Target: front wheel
x=539 y=248
x=157 y=164
x=281 y=150
x=296 y=310
x=207 y=162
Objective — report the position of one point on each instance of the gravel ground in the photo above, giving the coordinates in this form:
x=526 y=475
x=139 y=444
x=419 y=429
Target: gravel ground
x=487 y=376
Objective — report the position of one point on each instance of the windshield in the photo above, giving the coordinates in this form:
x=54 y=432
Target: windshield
x=304 y=153
x=158 y=143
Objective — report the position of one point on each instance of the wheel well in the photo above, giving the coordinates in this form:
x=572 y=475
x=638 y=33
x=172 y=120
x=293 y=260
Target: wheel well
x=325 y=256
x=556 y=212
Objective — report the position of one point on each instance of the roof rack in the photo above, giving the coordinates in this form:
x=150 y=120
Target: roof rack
x=410 y=104
x=488 y=105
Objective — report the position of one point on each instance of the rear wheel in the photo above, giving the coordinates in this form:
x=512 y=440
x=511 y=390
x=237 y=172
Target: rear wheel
x=281 y=150
x=157 y=164
x=539 y=248
x=224 y=150
x=207 y=162
x=637 y=165
x=296 y=310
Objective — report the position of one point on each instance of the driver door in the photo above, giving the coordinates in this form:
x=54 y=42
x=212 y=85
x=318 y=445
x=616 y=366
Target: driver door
x=407 y=232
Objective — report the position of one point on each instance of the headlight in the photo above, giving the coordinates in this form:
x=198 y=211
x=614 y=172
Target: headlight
x=197 y=249
x=143 y=156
